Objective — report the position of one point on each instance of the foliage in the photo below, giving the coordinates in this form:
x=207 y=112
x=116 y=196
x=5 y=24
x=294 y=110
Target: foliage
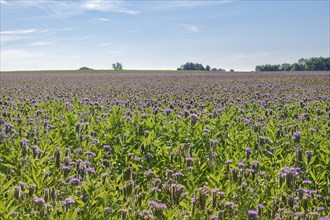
x=192 y=66
x=311 y=64
x=85 y=68
x=164 y=146
x=198 y=66
x=117 y=66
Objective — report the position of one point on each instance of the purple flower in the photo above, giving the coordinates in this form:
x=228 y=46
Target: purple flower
x=75 y=181
x=228 y=161
x=320 y=208
x=248 y=150
x=107 y=209
x=90 y=170
x=157 y=180
x=107 y=147
x=90 y=153
x=39 y=200
x=157 y=205
x=178 y=187
x=214 y=190
x=149 y=172
x=189 y=159
x=136 y=159
x=69 y=201
x=278 y=216
x=66 y=167
x=253 y=214
x=296 y=136
x=171 y=171
x=194 y=117
x=14 y=213
x=69 y=104
x=213 y=217
x=179 y=173
x=306 y=182
x=38 y=151
x=240 y=164
x=168 y=111
x=260 y=206
x=155 y=189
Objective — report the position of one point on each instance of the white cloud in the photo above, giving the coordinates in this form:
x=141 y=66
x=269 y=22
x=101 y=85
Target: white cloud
x=107 y=6
x=18 y=32
x=62 y=9
x=190 y=28
x=29 y=37
x=4 y=2
x=14 y=35
x=104 y=19
x=40 y=43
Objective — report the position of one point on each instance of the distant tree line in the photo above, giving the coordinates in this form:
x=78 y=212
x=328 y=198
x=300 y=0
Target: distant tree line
x=198 y=66
x=311 y=64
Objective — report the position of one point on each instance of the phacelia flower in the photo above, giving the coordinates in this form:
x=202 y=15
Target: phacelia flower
x=296 y=136
x=75 y=181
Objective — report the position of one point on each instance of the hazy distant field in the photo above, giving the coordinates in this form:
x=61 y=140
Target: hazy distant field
x=164 y=145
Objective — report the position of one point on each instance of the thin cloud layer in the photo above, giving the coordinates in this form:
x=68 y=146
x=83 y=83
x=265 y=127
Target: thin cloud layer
x=189 y=28
x=63 y=9
x=107 y=6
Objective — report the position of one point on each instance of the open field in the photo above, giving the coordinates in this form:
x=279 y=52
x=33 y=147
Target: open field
x=177 y=145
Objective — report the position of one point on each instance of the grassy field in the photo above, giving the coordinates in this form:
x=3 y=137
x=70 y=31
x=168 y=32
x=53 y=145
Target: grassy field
x=164 y=145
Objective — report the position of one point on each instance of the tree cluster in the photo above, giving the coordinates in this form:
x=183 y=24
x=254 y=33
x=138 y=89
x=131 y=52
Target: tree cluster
x=117 y=66
x=85 y=68
x=198 y=66
x=311 y=64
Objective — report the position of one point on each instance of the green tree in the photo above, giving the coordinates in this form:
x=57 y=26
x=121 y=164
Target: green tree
x=318 y=63
x=268 y=67
x=286 y=67
x=85 y=68
x=297 y=67
x=117 y=66
x=207 y=68
x=191 y=66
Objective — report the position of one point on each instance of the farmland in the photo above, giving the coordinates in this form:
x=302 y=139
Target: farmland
x=176 y=145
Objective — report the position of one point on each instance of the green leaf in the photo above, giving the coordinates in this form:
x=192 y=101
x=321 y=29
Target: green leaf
x=7 y=185
x=313 y=176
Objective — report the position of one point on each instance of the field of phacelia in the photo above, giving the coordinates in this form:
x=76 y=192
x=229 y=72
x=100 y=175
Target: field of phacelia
x=163 y=145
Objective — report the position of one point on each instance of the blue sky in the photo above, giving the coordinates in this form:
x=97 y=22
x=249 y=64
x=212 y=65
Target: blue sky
x=39 y=34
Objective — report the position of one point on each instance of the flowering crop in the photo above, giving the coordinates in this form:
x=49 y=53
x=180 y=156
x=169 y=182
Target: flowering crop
x=164 y=146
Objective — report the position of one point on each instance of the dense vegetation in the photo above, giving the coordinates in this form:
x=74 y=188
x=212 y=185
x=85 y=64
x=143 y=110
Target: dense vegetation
x=165 y=146
x=198 y=67
x=311 y=64
x=85 y=68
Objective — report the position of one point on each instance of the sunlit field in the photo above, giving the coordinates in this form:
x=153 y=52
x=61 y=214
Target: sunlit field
x=164 y=145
